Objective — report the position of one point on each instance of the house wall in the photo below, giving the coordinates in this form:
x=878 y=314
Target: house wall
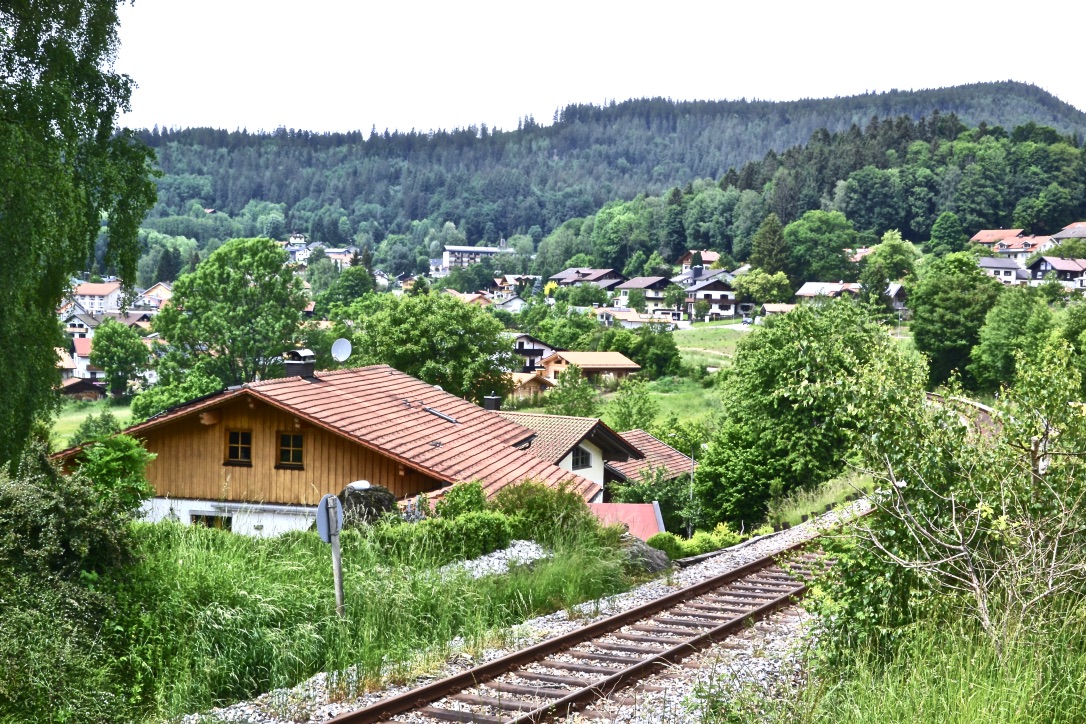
x=256 y=520
x=593 y=472
x=190 y=460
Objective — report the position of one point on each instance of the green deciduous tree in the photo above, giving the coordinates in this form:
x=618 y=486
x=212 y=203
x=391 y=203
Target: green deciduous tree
x=116 y=467
x=64 y=167
x=674 y=296
x=353 y=283
x=632 y=408
x=949 y=305
x=1019 y=322
x=573 y=395
x=788 y=416
x=436 y=338
x=947 y=235
x=896 y=256
x=95 y=427
x=761 y=287
x=636 y=300
x=119 y=352
x=818 y=241
x=237 y=313
x=173 y=390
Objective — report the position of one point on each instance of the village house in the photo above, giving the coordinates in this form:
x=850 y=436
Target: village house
x=603 y=278
x=770 y=309
x=991 y=237
x=653 y=287
x=79 y=389
x=699 y=274
x=464 y=256
x=594 y=365
x=708 y=258
x=632 y=319
x=1074 y=230
x=657 y=455
x=719 y=294
x=1020 y=248
x=155 y=296
x=65 y=364
x=98 y=297
x=582 y=445
x=83 y=367
x=529 y=385
x=257 y=458
x=1064 y=270
x=812 y=291
x=533 y=350
x=513 y=304
x=1005 y=270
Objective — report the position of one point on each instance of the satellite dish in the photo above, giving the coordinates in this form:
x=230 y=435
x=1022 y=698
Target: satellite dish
x=341 y=349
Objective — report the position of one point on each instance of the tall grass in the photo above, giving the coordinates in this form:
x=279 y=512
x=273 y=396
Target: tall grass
x=793 y=507
x=210 y=617
x=949 y=671
x=945 y=670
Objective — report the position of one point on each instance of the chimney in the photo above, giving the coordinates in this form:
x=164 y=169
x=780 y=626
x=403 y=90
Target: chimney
x=492 y=402
x=695 y=272
x=300 y=362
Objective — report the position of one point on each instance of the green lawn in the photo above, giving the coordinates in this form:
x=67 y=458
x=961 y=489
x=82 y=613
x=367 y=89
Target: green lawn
x=709 y=344
x=73 y=413
x=680 y=396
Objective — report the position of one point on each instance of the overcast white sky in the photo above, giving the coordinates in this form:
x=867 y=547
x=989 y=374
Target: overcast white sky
x=401 y=64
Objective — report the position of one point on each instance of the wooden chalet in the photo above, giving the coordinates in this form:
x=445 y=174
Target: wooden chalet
x=594 y=365
x=258 y=457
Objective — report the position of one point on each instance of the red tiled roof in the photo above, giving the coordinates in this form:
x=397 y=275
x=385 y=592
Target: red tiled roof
x=707 y=257
x=394 y=414
x=82 y=346
x=639 y=517
x=657 y=454
x=96 y=290
x=991 y=236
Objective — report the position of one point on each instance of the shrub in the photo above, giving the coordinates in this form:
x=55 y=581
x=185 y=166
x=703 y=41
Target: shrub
x=668 y=543
x=437 y=541
x=701 y=542
x=725 y=537
x=55 y=524
x=480 y=532
x=462 y=498
x=545 y=514
x=115 y=466
x=95 y=428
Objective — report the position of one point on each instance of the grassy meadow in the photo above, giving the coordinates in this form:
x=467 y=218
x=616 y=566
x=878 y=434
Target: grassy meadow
x=72 y=415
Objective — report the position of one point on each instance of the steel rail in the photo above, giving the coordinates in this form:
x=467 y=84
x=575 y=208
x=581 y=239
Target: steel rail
x=479 y=675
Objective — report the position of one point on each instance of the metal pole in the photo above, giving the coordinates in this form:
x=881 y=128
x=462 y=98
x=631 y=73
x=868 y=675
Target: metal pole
x=337 y=563
x=689 y=519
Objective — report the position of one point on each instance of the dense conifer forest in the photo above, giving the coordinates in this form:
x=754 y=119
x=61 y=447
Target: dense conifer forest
x=641 y=176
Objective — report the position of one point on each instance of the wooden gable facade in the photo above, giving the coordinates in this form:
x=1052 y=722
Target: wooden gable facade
x=194 y=458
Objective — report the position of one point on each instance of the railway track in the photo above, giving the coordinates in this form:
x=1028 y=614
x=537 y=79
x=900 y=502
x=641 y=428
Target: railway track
x=561 y=675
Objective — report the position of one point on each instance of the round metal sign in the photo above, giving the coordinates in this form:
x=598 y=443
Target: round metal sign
x=329 y=517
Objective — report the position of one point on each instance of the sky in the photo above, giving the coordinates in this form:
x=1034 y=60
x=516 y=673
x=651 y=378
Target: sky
x=322 y=65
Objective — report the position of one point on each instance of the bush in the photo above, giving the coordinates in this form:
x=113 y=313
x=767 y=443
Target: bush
x=725 y=537
x=438 y=541
x=545 y=514
x=55 y=524
x=462 y=498
x=668 y=543
x=701 y=542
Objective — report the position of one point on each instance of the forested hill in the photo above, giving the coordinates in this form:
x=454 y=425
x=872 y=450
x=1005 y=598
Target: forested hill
x=336 y=187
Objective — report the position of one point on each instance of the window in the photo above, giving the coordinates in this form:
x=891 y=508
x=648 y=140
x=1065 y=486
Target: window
x=290 y=450
x=212 y=520
x=239 y=447
x=581 y=458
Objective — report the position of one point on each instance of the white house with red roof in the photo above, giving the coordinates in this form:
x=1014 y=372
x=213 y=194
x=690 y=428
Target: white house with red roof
x=98 y=297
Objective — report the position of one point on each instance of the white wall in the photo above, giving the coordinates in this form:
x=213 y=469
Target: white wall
x=247 y=519
x=595 y=471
